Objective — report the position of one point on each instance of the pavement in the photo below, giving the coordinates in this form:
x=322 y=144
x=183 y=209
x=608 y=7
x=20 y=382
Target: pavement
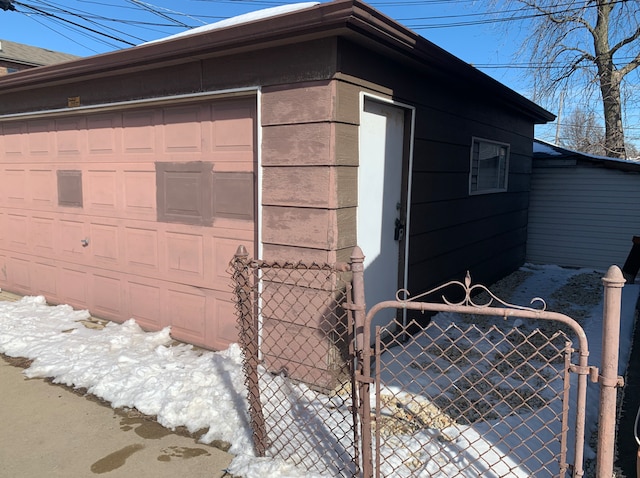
x=48 y=430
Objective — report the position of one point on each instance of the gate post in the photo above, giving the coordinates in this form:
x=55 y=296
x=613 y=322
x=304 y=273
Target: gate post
x=613 y=282
x=248 y=325
x=363 y=371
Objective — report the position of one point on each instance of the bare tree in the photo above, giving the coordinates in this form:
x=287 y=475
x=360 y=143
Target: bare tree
x=588 y=44
x=633 y=153
x=581 y=132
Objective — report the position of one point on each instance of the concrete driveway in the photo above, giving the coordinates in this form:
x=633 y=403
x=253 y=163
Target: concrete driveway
x=48 y=430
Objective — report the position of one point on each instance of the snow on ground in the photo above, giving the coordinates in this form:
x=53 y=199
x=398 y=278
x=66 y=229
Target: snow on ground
x=182 y=386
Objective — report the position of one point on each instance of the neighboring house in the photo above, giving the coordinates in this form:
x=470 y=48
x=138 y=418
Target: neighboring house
x=17 y=56
x=128 y=179
x=584 y=209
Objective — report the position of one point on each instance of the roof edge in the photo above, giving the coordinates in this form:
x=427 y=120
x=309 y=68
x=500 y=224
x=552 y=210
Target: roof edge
x=561 y=154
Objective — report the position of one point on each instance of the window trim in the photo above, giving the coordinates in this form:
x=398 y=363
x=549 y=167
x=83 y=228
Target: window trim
x=505 y=188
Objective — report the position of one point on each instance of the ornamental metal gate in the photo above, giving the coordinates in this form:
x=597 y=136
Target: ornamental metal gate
x=489 y=398
x=471 y=395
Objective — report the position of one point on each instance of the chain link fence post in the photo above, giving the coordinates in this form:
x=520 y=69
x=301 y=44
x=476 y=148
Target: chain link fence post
x=248 y=325
x=363 y=354
x=609 y=381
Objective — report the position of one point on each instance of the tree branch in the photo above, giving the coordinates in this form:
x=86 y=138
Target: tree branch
x=625 y=41
x=629 y=67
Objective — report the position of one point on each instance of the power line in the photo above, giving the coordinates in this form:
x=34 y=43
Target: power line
x=100 y=26
x=71 y=22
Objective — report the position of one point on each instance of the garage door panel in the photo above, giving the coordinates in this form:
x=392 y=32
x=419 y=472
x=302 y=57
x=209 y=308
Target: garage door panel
x=40 y=138
x=233 y=195
x=104 y=244
x=107 y=296
x=43 y=235
x=15 y=181
x=18 y=225
x=103 y=135
x=183 y=129
x=45 y=279
x=223 y=253
x=138 y=132
x=232 y=126
x=102 y=190
x=18 y=273
x=73 y=284
x=186 y=308
x=70 y=137
x=144 y=299
x=41 y=186
x=13 y=140
x=185 y=255
x=141 y=246
x=223 y=330
x=71 y=234
x=140 y=193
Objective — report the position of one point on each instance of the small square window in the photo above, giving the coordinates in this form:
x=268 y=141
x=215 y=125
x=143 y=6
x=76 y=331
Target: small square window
x=489 y=167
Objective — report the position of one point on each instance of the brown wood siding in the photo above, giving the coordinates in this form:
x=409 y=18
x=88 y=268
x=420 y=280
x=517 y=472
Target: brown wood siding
x=309 y=159
x=452 y=231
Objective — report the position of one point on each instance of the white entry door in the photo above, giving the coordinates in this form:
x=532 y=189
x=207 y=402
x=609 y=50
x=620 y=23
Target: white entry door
x=381 y=220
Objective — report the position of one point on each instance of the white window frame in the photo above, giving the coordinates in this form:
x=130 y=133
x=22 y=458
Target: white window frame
x=501 y=183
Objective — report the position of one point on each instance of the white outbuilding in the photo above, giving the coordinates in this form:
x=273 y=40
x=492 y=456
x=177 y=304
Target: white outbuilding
x=584 y=209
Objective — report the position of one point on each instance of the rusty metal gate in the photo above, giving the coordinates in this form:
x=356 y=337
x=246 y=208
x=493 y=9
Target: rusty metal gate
x=483 y=398
x=471 y=395
x=493 y=389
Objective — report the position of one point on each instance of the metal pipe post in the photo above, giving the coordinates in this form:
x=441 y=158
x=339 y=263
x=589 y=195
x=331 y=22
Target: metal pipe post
x=363 y=353
x=613 y=282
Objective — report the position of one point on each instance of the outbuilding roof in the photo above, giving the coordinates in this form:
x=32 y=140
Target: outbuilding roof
x=31 y=55
x=547 y=154
x=351 y=19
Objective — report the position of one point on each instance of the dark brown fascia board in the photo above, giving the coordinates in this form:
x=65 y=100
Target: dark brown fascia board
x=348 y=18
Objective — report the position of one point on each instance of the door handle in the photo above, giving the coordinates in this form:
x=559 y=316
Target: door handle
x=398 y=233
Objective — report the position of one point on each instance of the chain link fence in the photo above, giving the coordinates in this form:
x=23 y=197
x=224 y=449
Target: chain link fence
x=469 y=399
x=467 y=393
x=295 y=334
